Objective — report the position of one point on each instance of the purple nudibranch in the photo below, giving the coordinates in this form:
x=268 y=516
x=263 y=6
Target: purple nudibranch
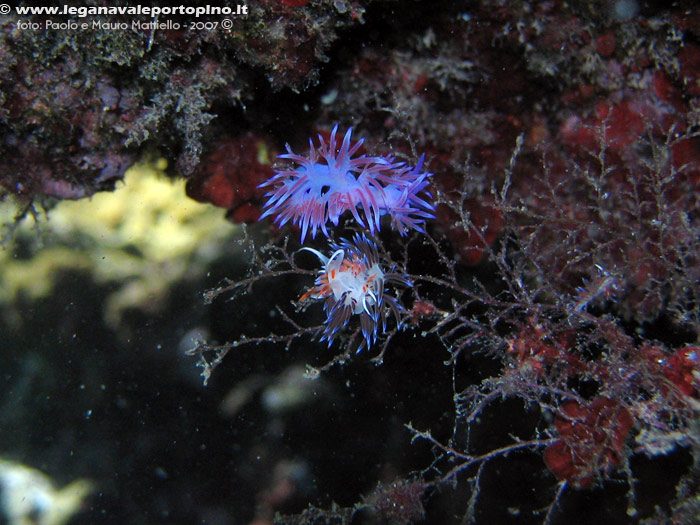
x=329 y=181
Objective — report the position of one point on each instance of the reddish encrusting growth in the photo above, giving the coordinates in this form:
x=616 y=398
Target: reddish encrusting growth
x=538 y=351
x=591 y=440
x=677 y=372
x=229 y=176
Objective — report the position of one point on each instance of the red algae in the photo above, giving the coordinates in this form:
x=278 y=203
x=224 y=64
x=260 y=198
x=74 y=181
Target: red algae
x=230 y=174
